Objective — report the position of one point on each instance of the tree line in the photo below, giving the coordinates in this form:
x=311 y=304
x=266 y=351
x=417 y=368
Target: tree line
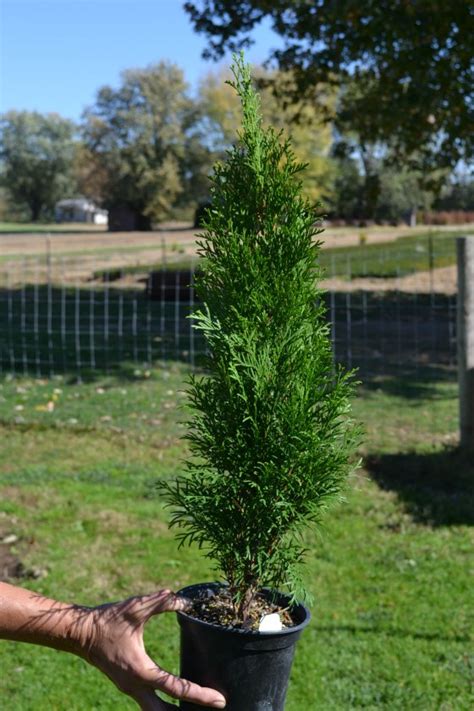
x=149 y=145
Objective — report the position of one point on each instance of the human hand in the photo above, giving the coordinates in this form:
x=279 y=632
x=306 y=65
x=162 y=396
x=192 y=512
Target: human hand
x=113 y=642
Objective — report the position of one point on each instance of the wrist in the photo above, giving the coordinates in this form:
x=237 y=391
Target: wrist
x=77 y=631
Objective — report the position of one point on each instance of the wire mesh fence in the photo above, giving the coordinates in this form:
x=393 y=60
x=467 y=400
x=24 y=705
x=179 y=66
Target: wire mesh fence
x=392 y=311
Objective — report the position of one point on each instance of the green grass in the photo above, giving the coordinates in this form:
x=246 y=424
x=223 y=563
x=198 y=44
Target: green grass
x=36 y=227
x=392 y=619
x=402 y=256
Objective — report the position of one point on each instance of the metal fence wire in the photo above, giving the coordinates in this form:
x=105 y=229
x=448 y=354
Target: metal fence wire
x=82 y=314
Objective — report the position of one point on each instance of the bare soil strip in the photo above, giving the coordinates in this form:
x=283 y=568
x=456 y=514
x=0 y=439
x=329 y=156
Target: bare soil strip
x=173 y=235
x=76 y=257
x=440 y=281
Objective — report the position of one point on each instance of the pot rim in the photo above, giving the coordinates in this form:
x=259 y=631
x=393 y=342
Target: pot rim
x=236 y=630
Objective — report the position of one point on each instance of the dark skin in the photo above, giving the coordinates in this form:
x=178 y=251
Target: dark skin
x=110 y=637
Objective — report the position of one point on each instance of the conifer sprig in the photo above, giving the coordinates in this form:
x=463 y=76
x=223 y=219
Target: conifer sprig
x=270 y=431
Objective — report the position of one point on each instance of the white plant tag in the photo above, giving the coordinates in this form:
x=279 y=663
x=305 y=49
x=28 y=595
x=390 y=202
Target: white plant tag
x=270 y=623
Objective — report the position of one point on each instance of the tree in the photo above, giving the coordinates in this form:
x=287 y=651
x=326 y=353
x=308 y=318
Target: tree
x=270 y=429
x=368 y=187
x=138 y=132
x=401 y=196
x=404 y=68
x=458 y=194
x=220 y=111
x=347 y=202
x=37 y=158
x=311 y=137
x=195 y=166
x=90 y=174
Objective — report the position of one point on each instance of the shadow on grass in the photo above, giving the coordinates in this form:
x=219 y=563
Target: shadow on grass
x=84 y=333
x=420 y=384
x=401 y=343
x=436 y=489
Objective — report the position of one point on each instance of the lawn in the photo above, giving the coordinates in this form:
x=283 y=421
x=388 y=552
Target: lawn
x=404 y=255
x=38 y=227
x=390 y=571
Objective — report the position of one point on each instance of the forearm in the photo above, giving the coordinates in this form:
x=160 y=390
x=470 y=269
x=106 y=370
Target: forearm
x=109 y=636
x=26 y=616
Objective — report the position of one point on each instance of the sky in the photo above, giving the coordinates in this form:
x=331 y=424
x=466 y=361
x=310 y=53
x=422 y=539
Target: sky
x=55 y=54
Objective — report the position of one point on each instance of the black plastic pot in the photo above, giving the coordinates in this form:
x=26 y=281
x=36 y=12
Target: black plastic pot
x=252 y=669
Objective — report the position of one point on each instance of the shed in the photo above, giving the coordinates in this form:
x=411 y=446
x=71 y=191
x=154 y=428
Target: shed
x=80 y=210
x=123 y=218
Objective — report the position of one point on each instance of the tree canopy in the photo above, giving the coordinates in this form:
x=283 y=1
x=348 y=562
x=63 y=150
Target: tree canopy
x=311 y=138
x=404 y=69
x=138 y=132
x=37 y=156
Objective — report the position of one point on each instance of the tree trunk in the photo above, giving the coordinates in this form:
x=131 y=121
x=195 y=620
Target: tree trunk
x=371 y=184
x=35 y=208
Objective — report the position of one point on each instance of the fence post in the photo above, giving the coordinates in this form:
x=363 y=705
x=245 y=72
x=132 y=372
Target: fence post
x=465 y=339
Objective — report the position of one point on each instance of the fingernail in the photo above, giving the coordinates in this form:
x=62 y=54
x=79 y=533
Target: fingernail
x=219 y=704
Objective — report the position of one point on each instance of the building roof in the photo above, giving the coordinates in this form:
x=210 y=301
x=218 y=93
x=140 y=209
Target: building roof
x=80 y=204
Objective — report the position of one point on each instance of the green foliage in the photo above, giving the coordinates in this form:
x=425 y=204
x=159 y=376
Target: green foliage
x=411 y=63
x=310 y=136
x=458 y=194
x=270 y=429
x=368 y=186
x=138 y=132
x=37 y=153
x=400 y=194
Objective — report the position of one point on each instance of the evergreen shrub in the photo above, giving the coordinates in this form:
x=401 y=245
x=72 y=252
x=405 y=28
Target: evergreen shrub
x=270 y=430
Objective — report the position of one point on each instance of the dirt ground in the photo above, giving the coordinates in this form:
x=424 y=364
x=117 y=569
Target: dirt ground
x=440 y=281
x=10 y=566
x=172 y=236
x=77 y=255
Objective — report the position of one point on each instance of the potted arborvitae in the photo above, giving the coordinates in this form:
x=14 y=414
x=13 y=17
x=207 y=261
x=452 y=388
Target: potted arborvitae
x=269 y=433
